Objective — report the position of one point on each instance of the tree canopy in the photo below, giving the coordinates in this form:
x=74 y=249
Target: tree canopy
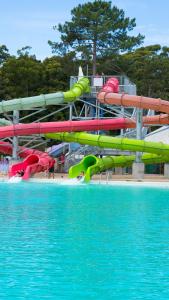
x=4 y=53
x=96 y=30
x=24 y=75
x=148 y=67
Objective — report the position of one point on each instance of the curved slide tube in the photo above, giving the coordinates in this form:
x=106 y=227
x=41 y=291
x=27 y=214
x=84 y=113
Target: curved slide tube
x=35 y=161
x=161 y=150
x=63 y=126
x=112 y=142
x=91 y=164
x=108 y=95
x=69 y=126
x=73 y=126
x=82 y=86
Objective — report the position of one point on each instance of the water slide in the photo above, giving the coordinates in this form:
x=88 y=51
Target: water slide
x=109 y=95
x=68 y=126
x=92 y=165
x=36 y=160
x=82 y=86
x=154 y=152
x=77 y=90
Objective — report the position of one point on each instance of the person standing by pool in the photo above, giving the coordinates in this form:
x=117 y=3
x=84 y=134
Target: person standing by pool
x=51 y=171
x=62 y=163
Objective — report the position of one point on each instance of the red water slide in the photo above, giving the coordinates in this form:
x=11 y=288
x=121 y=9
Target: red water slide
x=72 y=126
x=35 y=161
x=64 y=126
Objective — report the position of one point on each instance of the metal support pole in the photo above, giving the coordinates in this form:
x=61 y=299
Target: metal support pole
x=98 y=109
x=97 y=115
x=122 y=112
x=138 y=165
x=139 y=124
x=98 y=112
x=15 y=138
x=86 y=111
x=70 y=112
x=70 y=118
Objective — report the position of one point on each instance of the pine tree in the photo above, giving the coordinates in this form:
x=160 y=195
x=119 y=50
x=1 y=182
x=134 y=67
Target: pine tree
x=96 y=30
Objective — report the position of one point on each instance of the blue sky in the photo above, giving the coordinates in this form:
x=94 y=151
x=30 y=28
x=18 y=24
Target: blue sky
x=29 y=22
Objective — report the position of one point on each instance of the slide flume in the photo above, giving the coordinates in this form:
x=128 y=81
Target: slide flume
x=79 y=88
x=69 y=126
x=63 y=126
x=34 y=160
x=91 y=164
x=160 y=150
x=133 y=101
x=109 y=95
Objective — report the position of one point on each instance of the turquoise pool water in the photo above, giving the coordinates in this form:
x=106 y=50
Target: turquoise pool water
x=83 y=242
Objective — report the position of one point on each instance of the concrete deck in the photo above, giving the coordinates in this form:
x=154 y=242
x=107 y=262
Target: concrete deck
x=98 y=178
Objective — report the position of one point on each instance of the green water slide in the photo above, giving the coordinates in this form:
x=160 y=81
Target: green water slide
x=82 y=86
x=155 y=152
x=91 y=164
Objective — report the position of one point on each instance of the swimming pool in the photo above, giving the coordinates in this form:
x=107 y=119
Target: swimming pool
x=83 y=242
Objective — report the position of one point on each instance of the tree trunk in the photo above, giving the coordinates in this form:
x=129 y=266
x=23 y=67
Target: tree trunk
x=94 y=58
x=149 y=91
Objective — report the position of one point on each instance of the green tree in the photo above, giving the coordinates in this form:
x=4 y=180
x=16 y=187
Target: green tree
x=4 y=54
x=96 y=30
x=57 y=71
x=22 y=77
x=148 y=67
x=24 y=51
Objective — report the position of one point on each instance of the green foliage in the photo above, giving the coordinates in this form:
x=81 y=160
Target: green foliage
x=98 y=30
x=25 y=76
x=22 y=77
x=24 y=51
x=4 y=53
x=57 y=71
x=148 y=67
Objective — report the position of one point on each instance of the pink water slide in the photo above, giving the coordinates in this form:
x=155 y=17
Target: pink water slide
x=34 y=161
x=72 y=126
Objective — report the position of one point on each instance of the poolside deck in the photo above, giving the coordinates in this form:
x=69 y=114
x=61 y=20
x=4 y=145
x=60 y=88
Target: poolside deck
x=104 y=177
x=99 y=178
